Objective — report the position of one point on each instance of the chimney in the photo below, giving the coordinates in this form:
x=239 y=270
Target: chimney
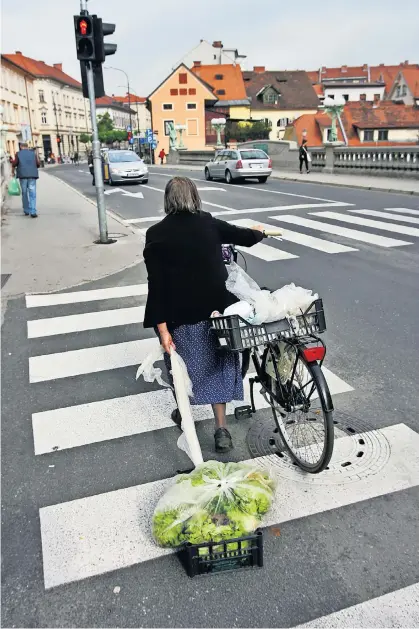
x=58 y=66
x=196 y=64
x=406 y=63
x=381 y=65
x=376 y=100
x=323 y=69
x=365 y=67
x=18 y=52
x=344 y=69
x=259 y=69
x=217 y=44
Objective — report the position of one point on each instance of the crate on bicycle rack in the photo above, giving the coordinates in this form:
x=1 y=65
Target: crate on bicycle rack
x=237 y=334
x=213 y=557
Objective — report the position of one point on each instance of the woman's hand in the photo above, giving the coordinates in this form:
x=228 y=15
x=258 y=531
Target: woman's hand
x=166 y=338
x=258 y=228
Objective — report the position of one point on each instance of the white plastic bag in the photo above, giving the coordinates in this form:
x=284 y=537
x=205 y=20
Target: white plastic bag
x=290 y=300
x=243 y=309
x=188 y=441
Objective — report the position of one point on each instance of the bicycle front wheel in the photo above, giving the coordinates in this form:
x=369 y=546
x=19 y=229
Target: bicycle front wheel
x=305 y=420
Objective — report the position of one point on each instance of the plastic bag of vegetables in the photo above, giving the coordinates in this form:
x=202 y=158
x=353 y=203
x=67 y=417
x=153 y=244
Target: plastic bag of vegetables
x=217 y=501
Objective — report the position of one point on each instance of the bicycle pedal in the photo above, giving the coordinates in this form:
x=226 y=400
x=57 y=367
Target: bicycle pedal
x=243 y=412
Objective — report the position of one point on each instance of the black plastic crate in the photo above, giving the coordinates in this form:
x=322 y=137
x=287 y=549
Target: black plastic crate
x=237 y=334
x=214 y=557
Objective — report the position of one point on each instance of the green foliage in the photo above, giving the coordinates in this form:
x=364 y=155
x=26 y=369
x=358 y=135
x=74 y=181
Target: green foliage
x=248 y=130
x=104 y=123
x=85 y=138
x=115 y=135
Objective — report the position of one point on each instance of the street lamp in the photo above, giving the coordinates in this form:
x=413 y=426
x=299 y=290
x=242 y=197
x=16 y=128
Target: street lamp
x=334 y=107
x=129 y=95
x=54 y=106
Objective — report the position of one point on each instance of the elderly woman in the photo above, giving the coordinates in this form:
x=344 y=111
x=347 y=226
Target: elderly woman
x=186 y=283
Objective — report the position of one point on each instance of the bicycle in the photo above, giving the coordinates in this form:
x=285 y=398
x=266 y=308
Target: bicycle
x=288 y=356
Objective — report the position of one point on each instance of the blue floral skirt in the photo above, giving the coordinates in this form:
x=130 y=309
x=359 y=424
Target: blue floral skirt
x=215 y=373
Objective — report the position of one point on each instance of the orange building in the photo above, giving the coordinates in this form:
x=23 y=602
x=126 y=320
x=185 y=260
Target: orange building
x=181 y=98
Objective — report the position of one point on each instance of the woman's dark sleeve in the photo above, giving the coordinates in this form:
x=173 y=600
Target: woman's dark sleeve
x=155 y=311
x=233 y=235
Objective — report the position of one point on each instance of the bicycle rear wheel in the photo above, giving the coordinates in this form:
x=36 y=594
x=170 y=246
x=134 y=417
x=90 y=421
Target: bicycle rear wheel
x=305 y=418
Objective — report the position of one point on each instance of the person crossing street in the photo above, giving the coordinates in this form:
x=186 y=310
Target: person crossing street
x=25 y=165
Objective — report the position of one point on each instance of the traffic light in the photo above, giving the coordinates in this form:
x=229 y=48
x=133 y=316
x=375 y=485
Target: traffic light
x=97 y=79
x=85 y=37
x=102 y=49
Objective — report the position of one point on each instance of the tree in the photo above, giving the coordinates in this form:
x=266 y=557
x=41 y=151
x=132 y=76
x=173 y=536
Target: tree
x=248 y=130
x=85 y=138
x=104 y=123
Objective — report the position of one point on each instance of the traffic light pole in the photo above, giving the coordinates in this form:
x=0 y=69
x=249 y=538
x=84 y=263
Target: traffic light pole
x=97 y=160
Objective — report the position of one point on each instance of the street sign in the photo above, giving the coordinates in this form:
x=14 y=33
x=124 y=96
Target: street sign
x=154 y=145
x=128 y=128
x=149 y=136
x=131 y=140
x=142 y=140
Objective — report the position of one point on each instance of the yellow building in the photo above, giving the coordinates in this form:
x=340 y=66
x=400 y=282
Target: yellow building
x=279 y=97
x=181 y=99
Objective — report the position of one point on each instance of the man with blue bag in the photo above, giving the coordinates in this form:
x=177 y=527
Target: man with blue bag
x=25 y=165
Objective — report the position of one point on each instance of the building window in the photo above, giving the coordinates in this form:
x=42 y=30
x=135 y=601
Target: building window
x=220 y=92
x=44 y=117
x=376 y=97
x=404 y=90
x=192 y=126
x=383 y=134
x=362 y=97
x=183 y=91
x=183 y=78
x=192 y=91
x=368 y=135
x=167 y=106
x=190 y=105
x=174 y=92
x=166 y=126
x=219 y=77
x=329 y=135
x=346 y=97
x=41 y=96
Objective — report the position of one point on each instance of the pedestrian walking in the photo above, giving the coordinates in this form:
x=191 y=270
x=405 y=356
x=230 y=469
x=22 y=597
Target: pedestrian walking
x=76 y=158
x=304 y=156
x=26 y=164
x=186 y=283
x=91 y=167
x=162 y=155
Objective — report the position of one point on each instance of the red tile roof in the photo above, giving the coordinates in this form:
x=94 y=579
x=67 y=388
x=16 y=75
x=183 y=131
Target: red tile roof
x=40 y=69
x=231 y=81
x=355 y=115
x=411 y=76
x=381 y=73
x=133 y=98
x=110 y=101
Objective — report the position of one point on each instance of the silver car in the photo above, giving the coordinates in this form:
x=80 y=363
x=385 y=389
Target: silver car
x=239 y=164
x=122 y=166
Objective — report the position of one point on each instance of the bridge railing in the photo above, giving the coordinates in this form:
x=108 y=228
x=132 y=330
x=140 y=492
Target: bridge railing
x=388 y=161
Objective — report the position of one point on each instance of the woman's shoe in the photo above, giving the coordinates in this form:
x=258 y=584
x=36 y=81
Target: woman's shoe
x=177 y=417
x=223 y=441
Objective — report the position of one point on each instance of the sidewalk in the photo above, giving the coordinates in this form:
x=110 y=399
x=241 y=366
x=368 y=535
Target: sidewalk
x=369 y=182
x=56 y=250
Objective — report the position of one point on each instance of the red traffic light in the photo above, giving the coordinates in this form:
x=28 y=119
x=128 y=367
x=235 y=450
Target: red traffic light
x=83 y=27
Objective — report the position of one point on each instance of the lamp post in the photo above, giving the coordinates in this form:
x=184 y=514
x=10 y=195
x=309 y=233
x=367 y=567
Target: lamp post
x=129 y=94
x=334 y=107
x=219 y=124
x=54 y=106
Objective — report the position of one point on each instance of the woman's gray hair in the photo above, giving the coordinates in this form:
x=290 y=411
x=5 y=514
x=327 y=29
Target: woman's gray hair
x=181 y=195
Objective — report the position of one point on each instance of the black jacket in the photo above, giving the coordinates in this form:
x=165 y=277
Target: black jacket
x=186 y=272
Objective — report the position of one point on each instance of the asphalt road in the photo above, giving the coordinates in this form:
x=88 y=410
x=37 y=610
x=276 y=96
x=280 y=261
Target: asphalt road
x=79 y=479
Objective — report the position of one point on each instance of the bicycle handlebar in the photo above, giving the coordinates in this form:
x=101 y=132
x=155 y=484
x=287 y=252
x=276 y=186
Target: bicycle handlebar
x=272 y=232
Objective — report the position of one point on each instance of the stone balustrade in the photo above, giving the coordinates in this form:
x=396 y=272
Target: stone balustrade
x=388 y=161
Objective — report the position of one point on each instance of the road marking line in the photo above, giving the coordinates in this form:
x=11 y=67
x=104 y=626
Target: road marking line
x=222 y=207
x=268 y=191
x=86 y=321
x=402 y=210
x=89 y=360
x=145 y=219
x=394 y=217
x=301 y=239
x=94 y=422
x=113 y=190
x=395 y=609
x=267 y=253
x=98 y=534
x=35 y=301
x=357 y=220
x=152 y=188
x=353 y=234
x=212 y=189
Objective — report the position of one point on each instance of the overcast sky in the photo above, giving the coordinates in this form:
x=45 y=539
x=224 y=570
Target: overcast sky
x=152 y=35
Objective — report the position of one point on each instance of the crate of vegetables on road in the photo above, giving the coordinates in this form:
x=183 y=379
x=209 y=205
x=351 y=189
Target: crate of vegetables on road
x=213 y=514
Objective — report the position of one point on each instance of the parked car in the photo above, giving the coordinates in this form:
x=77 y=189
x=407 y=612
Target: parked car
x=124 y=166
x=239 y=164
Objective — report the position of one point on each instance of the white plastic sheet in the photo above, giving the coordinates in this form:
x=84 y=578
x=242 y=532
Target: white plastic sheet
x=286 y=302
x=188 y=440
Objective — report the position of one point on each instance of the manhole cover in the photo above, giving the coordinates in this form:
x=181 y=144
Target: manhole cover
x=359 y=451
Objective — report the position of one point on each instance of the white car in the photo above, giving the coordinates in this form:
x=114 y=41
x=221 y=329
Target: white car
x=124 y=166
x=239 y=164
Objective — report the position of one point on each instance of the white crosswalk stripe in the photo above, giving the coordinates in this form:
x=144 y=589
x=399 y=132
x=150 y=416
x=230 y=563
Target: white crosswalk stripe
x=404 y=219
x=108 y=531
x=357 y=220
x=401 y=210
x=330 y=228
